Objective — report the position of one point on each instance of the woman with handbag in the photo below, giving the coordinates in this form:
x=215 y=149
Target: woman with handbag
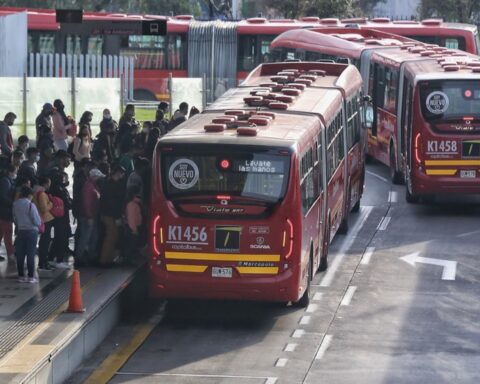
x=28 y=223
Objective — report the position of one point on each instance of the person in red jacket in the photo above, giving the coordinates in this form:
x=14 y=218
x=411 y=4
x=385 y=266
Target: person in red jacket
x=86 y=249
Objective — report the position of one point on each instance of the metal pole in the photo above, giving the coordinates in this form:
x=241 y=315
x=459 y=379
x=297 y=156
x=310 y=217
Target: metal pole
x=24 y=111
x=212 y=76
x=170 y=93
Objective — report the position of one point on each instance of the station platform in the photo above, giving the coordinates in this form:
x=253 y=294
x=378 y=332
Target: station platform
x=39 y=341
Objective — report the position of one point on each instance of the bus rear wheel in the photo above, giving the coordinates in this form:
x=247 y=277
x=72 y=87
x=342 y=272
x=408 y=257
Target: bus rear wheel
x=395 y=176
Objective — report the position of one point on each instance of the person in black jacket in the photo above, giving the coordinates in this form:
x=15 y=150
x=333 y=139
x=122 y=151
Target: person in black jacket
x=112 y=202
x=28 y=169
x=62 y=228
x=106 y=141
x=7 y=190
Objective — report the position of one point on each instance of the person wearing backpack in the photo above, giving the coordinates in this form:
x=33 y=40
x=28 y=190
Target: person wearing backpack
x=61 y=228
x=44 y=206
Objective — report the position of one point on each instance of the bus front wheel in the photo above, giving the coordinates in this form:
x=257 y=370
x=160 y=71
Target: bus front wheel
x=305 y=299
x=411 y=197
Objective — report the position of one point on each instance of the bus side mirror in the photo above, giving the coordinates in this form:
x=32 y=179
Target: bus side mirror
x=367 y=99
x=367 y=114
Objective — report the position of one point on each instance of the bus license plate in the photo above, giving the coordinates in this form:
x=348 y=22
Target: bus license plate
x=222 y=272
x=470 y=173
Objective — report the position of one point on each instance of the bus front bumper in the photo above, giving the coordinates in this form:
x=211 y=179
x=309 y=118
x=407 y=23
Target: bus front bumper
x=282 y=287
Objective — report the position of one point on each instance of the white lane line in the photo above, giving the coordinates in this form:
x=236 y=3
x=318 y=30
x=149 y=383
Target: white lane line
x=469 y=233
x=367 y=255
x=335 y=264
x=298 y=333
x=378 y=177
x=290 y=347
x=323 y=347
x=268 y=379
x=311 y=308
x=305 y=320
x=348 y=295
x=382 y=226
x=282 y=362
x=392 y=197
x=318 y=296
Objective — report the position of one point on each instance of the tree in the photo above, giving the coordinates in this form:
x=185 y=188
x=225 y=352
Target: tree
x=465 y=11
x=331 y=8
x=291 y=9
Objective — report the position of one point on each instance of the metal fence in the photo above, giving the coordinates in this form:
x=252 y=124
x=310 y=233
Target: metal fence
x=26 y=96
x=84 y=66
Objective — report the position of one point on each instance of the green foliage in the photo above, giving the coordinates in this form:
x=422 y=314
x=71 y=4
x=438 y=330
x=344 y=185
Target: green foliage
x=323 y=8
x=465 y=11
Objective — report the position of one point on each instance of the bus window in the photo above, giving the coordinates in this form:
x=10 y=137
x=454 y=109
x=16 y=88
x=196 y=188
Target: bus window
x=477 y=42
x=73 y=45
x=248 y=174
x=264 y=45
x=450 y=42
x=176 y=56
x=41 y=42
x=149 y=51
x=246 y=52
x=391 y=78
x=309 y=185
x=95 y=45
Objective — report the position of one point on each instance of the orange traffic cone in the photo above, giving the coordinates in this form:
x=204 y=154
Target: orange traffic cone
x=75 y=304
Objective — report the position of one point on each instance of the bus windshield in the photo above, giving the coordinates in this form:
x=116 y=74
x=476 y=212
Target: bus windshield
x=445 y=100
x=255 y=175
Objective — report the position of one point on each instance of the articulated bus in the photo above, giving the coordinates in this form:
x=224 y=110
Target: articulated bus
x=158 y=56
x=392 y=77
x=247 y=195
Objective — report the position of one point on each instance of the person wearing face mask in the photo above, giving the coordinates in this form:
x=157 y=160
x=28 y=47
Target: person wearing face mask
x=6 y=140
x=23 y=143
x=107 y=119
x=127 y=125
x=7 y=192
x=43 y=122
x=106 y=140
x=28 y=169
x=61 y=225
x=17 y=158
x=82 y=145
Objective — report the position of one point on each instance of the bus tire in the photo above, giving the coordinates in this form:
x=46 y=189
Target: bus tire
x=324 y=257
x=395 y=176
x=411 y=198
x=356 y=207
x=304 y=301
x=343 y=228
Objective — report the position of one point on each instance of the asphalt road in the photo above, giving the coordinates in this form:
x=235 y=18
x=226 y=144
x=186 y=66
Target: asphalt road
x=375 y=317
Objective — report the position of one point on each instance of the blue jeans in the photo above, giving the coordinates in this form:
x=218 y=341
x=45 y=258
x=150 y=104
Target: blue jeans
x=87 y=239
x=26 y=245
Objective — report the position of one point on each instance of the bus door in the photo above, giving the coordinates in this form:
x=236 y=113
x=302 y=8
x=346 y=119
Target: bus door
x=406 y=143
x=366 y=70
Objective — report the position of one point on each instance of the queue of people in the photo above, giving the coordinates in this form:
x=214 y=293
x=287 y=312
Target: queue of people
x=109 y=191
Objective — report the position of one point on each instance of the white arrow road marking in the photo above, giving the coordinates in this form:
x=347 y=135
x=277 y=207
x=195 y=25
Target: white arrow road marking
x=449 y=267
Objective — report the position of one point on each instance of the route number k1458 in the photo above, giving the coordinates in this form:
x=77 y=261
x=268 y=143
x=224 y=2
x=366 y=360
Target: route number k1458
x=446 y=146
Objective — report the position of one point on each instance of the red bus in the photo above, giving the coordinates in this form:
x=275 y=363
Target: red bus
x=388 y=72
x=247 y=195
x=175 y=53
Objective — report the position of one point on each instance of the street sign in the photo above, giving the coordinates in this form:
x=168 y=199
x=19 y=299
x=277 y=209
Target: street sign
x=154 y=27
x=69 y=15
